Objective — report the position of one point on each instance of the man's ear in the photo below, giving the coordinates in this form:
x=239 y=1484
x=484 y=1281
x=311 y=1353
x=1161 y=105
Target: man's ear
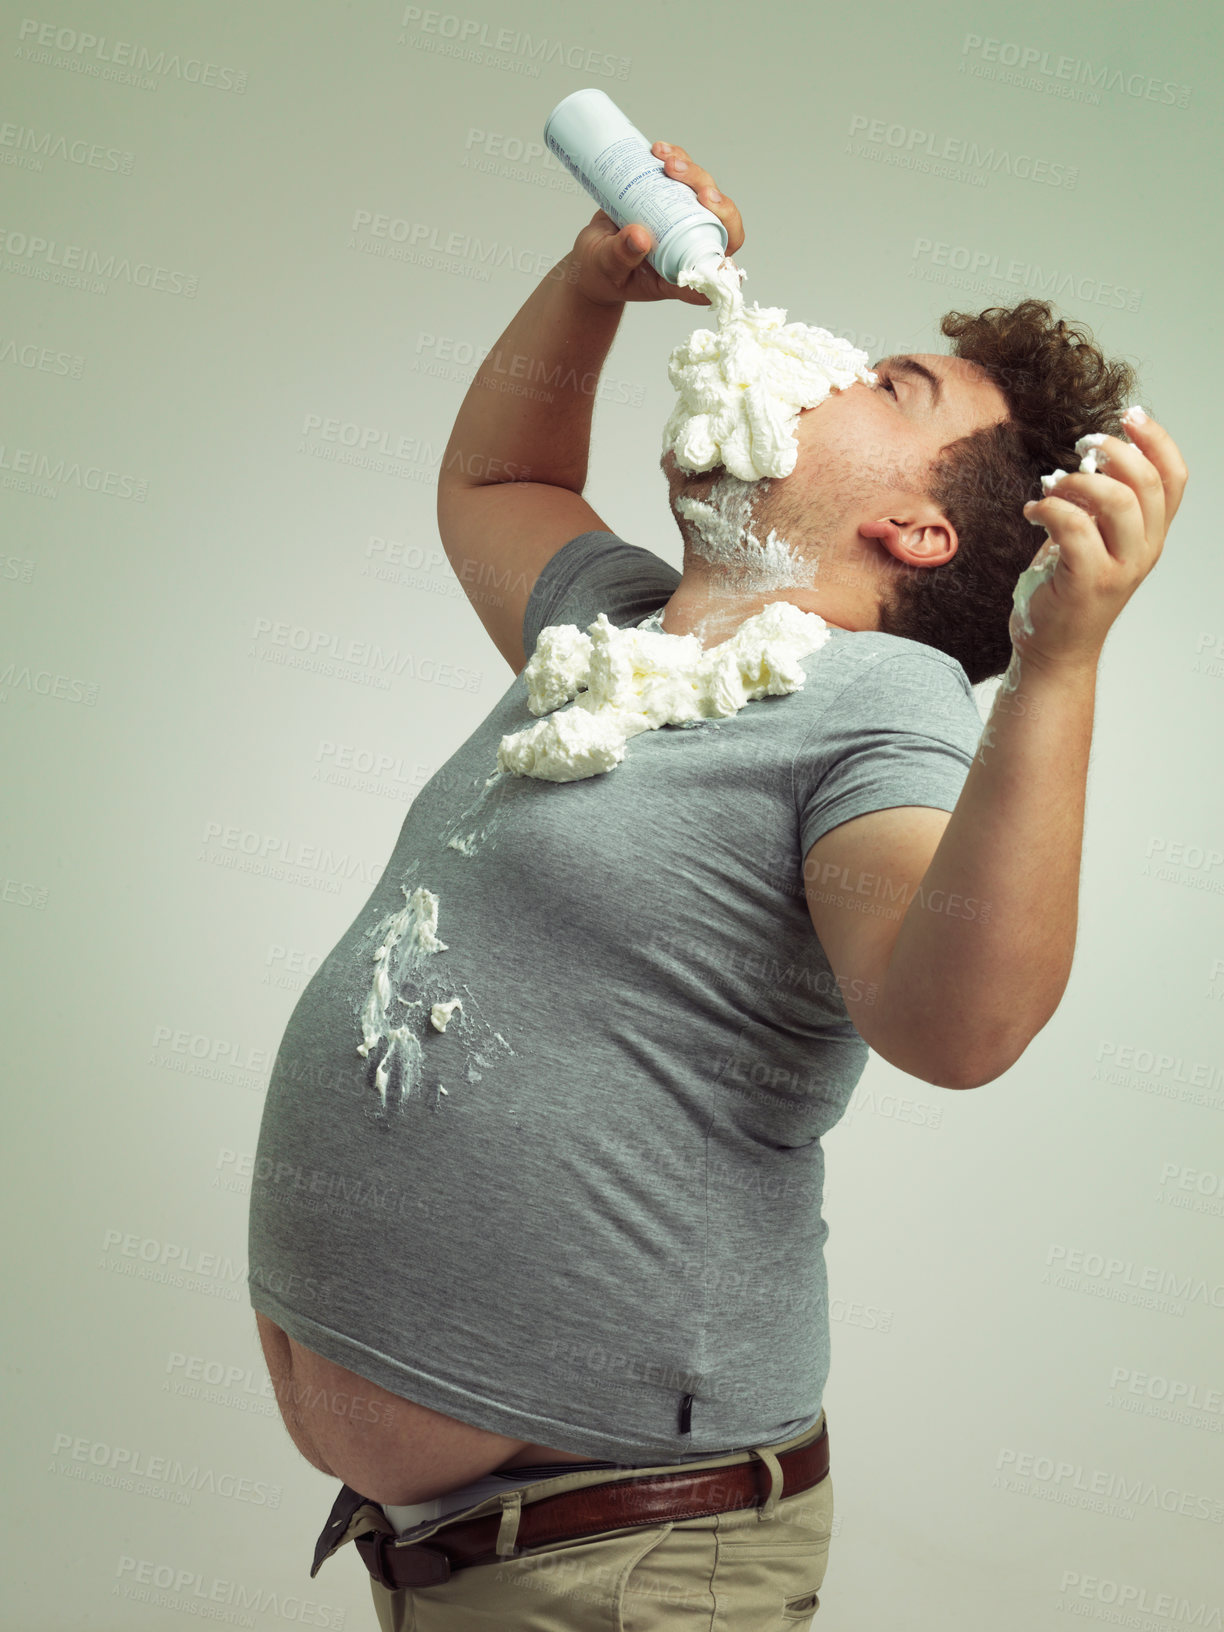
x=925 y=539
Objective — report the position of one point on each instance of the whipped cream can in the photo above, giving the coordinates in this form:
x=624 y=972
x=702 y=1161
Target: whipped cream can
x=612 y=159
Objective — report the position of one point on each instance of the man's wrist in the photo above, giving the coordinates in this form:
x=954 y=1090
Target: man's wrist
x=1069 y=668
x=572 y=275
x=564 y=271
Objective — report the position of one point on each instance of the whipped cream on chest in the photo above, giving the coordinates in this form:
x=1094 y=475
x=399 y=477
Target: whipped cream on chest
x=625 y=681
x=741 y=388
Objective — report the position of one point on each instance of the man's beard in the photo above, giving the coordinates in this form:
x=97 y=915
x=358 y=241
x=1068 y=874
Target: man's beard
x=755 y=536
x=775 y=533
x=727 y=527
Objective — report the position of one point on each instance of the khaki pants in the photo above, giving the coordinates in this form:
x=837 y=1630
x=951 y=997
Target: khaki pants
x=753 y=1570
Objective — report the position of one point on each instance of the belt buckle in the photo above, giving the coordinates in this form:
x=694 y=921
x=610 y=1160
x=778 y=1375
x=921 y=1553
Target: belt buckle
x=419 y=1566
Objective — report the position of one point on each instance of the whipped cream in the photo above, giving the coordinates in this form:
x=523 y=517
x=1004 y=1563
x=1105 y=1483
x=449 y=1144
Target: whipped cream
x=626 y=681
x=410 y=936
x=403 y=960
x=724 y=534
x=440 y=1013
x=1029 y=582
x=1092 y=462
x=742 y=388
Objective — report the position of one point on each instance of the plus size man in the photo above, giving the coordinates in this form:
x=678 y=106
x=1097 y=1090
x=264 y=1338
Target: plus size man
x=543 y=1284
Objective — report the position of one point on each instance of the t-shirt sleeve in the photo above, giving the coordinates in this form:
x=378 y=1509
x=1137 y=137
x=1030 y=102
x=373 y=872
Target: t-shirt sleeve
x=902 y=732
x=594 y=573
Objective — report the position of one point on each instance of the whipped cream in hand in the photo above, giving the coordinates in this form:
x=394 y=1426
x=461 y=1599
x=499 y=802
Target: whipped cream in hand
x=1092 y=463
x=741 y=388
x=626 y=681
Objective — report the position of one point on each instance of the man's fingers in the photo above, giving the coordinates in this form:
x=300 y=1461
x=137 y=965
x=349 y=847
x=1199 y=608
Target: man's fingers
x=679 y=166
x=1155 y=443
x=633 y=243
x=619 y=255
x=1073 y=529
x=1128 y=498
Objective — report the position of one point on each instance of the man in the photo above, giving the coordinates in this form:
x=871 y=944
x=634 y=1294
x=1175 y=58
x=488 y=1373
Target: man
x=563 y=1333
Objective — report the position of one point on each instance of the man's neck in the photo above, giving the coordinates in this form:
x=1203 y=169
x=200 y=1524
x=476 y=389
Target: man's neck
x=713 y=605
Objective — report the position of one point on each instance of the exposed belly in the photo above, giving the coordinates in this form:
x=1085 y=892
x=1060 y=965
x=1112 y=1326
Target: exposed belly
x=388 y=1448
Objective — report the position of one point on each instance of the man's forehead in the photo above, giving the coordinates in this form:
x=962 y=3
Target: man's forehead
x=961 y=393
x=948 y=368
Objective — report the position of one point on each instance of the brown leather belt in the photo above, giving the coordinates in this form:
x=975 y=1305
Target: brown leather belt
x=618 y=1504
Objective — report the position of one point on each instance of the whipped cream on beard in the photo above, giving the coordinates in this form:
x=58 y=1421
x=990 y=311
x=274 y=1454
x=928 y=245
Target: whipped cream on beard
x=722 y=533
x=742 y=388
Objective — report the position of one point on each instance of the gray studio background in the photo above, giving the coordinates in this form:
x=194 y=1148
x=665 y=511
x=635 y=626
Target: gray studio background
x=225 y=389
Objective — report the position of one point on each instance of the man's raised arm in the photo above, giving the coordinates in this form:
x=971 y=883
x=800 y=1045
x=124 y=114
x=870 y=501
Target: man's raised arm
x=512 y=475
x=959 y=995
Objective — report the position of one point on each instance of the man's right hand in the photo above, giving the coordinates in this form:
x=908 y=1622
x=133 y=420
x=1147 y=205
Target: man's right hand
x=612 y=266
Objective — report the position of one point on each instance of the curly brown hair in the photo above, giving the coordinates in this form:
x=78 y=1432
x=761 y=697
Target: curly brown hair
x=1058 y=387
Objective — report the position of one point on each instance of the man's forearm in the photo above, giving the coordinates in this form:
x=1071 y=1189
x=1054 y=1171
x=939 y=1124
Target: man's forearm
x=984 y=951
x=555 y=347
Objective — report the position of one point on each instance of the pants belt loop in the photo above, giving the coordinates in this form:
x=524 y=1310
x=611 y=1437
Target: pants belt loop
x=766 y=1512
x=507 y=1533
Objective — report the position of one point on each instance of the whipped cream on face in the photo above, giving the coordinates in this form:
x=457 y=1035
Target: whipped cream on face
x=723 y=527
x=741 y=388
x=625 y=681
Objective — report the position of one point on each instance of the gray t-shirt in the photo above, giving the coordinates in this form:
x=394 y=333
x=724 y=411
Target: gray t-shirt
x=588 y=1214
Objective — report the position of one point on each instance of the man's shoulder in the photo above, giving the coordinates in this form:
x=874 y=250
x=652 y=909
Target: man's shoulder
x=865 y=675
x=859 y=650
x=597 y=572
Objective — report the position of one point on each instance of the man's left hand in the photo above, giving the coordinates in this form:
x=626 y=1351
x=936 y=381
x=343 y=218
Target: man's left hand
x=1110 y=530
